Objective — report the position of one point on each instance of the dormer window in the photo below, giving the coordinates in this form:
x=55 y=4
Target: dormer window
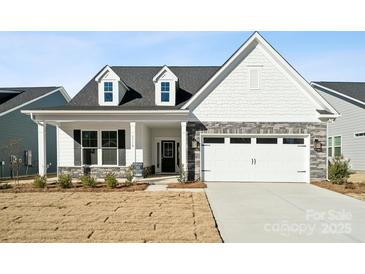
x=108 y=91
x=165 y=91
x=111 y=89
x=166 y=83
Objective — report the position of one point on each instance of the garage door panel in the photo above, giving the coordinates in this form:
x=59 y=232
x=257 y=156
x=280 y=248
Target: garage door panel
x=225 y=162
x=276 y=162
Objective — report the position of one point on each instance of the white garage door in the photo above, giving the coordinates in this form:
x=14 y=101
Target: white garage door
x=255 y=159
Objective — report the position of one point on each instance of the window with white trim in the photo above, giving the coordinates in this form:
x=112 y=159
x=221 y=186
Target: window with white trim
x=337 y=146
x=109 y=147
x=254 y=78
x=330 y=146
x=108 y=91
x=334 y=146
x=165 y=91
x=89 y=147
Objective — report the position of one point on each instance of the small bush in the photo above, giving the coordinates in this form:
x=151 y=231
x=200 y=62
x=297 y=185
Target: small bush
x=129 y=176
x=339 y=170
x=5 y=185
x=88 y=181
x=111 y=180
x=182 y=175
x=40 y=181
x=65 y=181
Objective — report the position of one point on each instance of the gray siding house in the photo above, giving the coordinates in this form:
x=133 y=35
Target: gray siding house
x=346 y=136
x=19 y=134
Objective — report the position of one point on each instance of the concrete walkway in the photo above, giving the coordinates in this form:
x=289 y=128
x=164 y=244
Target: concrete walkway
x=285 y=212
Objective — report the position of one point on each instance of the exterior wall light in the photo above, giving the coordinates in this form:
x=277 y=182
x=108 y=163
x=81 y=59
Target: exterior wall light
x=195 y=144
x=317 y=145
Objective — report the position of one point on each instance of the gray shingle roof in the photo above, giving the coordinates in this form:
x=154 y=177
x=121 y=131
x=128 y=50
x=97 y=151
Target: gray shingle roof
x=355 y=90
x=141 y=93
x=25 y=94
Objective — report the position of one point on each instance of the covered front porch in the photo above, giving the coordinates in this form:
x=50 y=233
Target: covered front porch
x=85 y=147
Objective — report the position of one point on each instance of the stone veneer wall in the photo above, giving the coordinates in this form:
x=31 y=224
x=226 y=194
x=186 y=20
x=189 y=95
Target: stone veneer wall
x=316 y=130
x=100 y=172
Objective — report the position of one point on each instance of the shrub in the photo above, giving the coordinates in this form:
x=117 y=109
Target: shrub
x=129 y=176
x=339 y=170
x=40 y=181
x=65 y=181
x=5 y=185
x=88 y=181
x=111 y=180
x=182 y=175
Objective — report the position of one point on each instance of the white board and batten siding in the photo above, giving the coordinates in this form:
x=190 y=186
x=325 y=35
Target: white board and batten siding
x=277 y=99
x=351 y=121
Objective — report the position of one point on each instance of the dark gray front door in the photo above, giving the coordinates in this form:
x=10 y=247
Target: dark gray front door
x=167 y=156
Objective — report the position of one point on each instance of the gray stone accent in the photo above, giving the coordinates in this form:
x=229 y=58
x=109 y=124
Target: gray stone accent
x=97 y=172
x=316 y=131
x=100 y=172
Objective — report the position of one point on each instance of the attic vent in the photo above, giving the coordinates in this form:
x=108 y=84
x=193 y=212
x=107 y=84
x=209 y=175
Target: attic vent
x=254 y=78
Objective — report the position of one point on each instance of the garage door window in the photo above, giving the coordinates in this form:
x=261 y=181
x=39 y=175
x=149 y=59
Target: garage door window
x=266 y=140
x=293 y=141
x=240 y=140
x=213 y=140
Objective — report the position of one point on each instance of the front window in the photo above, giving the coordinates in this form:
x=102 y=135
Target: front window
x=89 y=147
x=165 y=91
x=109 y=143
x=108 y=91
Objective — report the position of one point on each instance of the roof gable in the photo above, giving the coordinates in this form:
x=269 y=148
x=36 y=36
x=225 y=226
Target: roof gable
x=253 y=41
x=166 y=73
x=27 y=95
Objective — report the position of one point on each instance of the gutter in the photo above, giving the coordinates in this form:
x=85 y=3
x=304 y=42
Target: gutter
x=174 y=112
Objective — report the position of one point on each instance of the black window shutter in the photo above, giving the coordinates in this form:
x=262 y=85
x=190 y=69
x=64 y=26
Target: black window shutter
x=121 y=147
x=77 y=147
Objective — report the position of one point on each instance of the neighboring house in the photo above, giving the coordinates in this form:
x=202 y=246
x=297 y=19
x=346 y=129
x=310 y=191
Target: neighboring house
x=19 y=134
x=252 y=119
x=346 y=136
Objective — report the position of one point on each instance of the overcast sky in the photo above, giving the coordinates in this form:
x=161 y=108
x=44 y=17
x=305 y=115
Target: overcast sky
x=71 y=59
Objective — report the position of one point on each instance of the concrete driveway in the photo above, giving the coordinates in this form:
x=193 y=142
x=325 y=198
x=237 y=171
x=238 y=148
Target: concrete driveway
x=285 y=212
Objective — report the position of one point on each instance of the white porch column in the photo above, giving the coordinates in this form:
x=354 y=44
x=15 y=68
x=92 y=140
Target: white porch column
x=133 y=141
x=184 y=146
x=42 y=144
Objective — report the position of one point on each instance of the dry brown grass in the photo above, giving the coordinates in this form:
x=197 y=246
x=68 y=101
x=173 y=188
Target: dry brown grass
x=106 y=217
x=187 y=185
x=355 y=190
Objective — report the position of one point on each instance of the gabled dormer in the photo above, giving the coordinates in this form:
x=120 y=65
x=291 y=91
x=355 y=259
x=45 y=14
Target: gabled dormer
x=166 y=84
x=111 y=88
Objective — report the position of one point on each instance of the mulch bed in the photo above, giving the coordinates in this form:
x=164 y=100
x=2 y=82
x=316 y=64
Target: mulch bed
x=357 y=188
x=187 y=185
x=78 y=187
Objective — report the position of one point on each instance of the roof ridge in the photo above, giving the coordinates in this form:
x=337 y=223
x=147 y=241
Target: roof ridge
x=190 y=66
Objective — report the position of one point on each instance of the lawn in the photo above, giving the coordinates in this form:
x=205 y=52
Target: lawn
x=106 y=217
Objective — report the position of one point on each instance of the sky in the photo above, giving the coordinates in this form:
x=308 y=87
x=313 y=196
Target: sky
x=71 y=59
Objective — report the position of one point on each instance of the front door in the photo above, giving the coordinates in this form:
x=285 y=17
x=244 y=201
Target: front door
x=167 y=156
